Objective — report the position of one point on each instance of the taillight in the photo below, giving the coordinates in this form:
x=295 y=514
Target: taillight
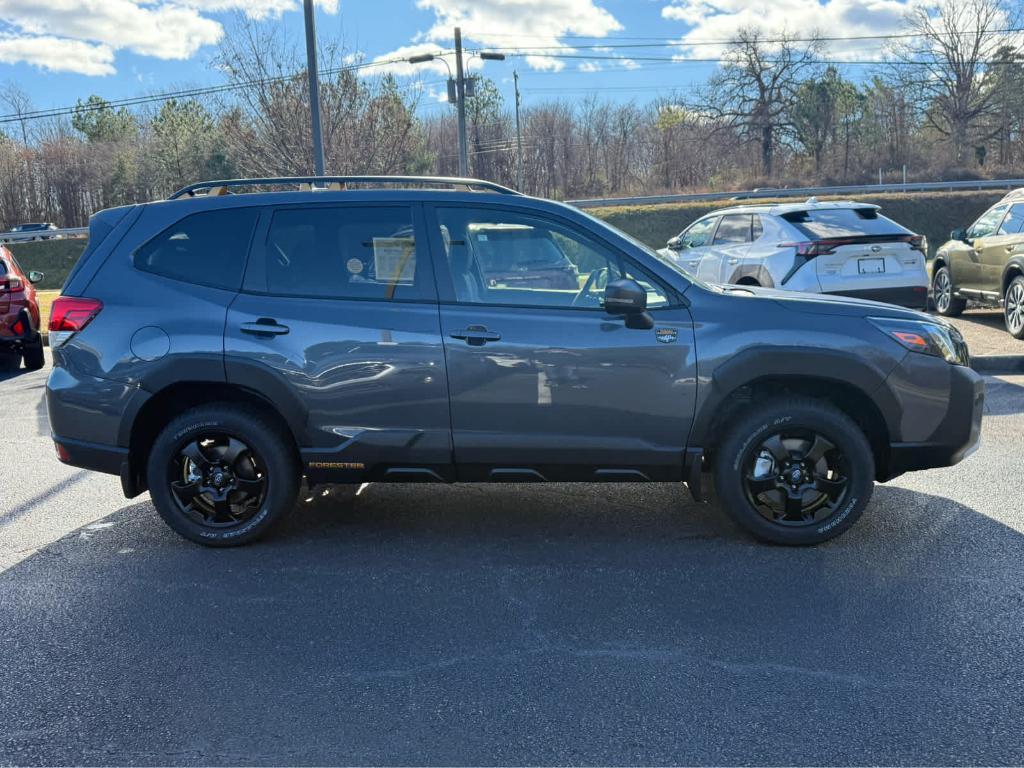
x=812 y=248
x=11 y=284
x=69 y=315
x=919 y=243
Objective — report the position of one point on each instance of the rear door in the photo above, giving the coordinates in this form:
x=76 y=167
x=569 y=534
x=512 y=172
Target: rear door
x=1005 y=243
x=338 y=322
x=728 y=248
x=545 y=384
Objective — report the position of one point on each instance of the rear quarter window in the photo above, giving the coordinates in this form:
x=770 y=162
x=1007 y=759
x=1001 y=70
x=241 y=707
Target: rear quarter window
x=825 y=223
x=207 y=248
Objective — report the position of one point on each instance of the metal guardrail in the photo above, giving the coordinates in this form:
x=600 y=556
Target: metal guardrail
x=924 y=186
x=44 y=234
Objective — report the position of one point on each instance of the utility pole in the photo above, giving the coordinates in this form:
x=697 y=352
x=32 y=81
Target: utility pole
x=519 y=137
x=460 y=91
x=314 y=89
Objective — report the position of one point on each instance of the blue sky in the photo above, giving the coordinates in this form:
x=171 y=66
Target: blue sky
x=62 y=50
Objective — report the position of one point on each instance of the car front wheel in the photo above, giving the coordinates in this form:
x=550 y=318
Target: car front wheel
x=1013 y=308
x=946 y=303
x=794 y=471
x=222 y=474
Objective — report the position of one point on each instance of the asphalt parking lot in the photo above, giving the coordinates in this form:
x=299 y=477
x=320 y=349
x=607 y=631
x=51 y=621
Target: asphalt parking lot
x=985 y=333
x=494 y=625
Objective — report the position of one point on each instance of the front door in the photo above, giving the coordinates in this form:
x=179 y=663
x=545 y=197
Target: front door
x=338 y=323
x=967 y=262
x=545 y=384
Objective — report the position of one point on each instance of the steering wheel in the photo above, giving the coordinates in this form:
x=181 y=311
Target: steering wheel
x=592 y=279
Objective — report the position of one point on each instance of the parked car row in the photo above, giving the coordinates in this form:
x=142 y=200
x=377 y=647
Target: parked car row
x=34 y=231
x=851 y=249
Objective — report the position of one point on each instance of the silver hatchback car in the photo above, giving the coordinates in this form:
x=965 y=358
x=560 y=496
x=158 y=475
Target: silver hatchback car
x=844 y=248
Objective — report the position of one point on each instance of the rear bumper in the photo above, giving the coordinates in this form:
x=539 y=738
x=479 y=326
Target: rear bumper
x=957 y=436
x=911 y=296
x=18 y=342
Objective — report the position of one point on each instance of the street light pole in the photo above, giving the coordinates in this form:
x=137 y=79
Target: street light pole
x=314 y=89
x=519 y=137
x=460 y=90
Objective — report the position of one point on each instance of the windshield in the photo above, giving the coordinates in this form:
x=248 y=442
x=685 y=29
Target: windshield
x=512 y=249
x=675 y=267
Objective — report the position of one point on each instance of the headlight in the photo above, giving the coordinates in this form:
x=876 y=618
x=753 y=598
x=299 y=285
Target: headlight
x=926 y=338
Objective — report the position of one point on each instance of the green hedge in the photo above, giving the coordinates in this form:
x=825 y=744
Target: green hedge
x=932 y=215
x=54 y=258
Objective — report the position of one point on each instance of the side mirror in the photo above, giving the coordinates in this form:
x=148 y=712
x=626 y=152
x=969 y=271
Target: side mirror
x=676 y=243
x=35 y=277
x=625 y=297
x=958 y=234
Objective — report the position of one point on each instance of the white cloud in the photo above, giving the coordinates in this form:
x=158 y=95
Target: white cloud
x=510 y=24
x=720 y=19
x=91 y=31
x=58 y=55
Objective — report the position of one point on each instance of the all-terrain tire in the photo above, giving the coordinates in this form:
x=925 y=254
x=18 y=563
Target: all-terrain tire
x=270 y=459
x=850 y=460
x=34 y=356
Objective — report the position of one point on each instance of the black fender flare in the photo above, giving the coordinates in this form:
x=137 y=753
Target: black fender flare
x=784 y=362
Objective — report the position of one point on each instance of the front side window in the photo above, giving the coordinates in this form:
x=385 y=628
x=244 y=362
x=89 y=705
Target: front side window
x=354 y=252
x=734 y=229
x=1013 y=224
x=503 y=257
x=207 y=248
x=699 y=233
x=988 y=222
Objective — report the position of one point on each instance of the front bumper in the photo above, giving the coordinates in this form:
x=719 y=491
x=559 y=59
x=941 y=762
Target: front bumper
x=958 y=434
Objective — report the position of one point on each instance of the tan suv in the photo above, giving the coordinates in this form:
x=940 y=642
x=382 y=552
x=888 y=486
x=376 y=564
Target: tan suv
x=985 y=263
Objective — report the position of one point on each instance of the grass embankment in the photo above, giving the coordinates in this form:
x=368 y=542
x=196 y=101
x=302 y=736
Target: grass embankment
x=932 y=215
x=46 y=299
x=54 y=258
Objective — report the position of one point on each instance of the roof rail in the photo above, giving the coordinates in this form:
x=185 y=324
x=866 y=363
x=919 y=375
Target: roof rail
x=327 y=183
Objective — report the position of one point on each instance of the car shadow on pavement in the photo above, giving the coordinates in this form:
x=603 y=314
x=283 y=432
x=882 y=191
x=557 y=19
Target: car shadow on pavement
x=542 y=624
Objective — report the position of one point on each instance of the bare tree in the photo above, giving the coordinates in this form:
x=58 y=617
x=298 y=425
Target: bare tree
x=946 y=65
x=754 y=90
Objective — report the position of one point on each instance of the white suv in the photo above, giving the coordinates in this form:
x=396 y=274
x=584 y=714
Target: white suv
x=842 y=247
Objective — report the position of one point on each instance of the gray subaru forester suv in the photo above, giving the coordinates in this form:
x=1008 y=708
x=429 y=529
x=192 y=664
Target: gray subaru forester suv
x=217 y=347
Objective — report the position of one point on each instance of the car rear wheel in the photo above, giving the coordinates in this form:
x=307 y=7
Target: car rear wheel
x=1013 y=308
x=222 y=475
x=794 y=471
x=946 y=303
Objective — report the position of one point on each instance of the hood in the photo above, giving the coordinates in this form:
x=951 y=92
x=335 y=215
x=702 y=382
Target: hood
x=826 y=304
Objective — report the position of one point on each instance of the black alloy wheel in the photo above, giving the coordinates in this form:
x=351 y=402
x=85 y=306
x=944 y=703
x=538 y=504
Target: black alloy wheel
x=221 y=481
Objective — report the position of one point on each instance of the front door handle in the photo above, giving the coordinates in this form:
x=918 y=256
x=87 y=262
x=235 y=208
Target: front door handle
x=476 y=335
x=733 y=261
x=265 y=326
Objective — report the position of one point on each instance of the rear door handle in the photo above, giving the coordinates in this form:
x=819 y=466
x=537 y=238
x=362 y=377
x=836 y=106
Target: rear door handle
x=733 y=261
x=265 y=326
x=476 y=335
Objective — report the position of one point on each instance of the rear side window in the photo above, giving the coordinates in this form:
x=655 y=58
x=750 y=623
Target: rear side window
x=735 y=228
x=206 y=248
x=356 y=252
x=823 y=223
x=1013 y=224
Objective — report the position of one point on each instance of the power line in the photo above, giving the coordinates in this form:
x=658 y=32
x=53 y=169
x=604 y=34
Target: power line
x=669 y=42
x=134 y=101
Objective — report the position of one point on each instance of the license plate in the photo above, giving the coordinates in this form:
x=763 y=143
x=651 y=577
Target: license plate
x=871 y=266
